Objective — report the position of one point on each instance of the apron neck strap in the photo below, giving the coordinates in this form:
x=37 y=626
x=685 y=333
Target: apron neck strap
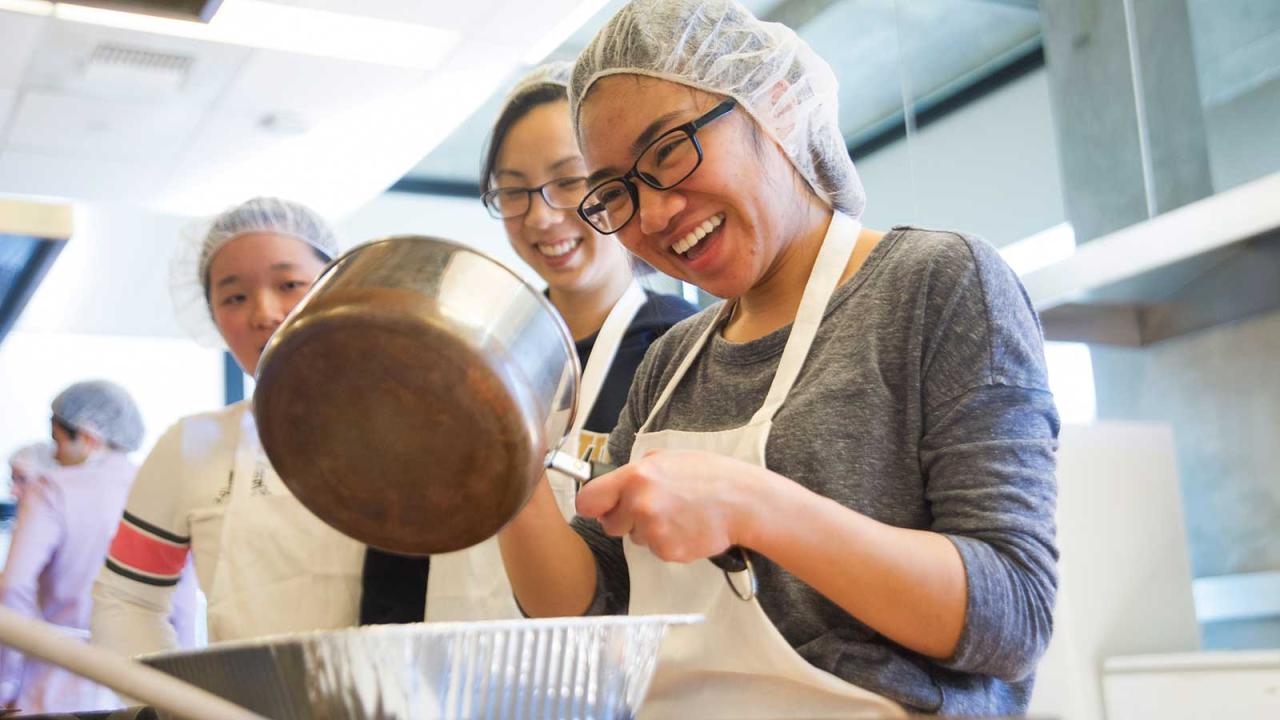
x=833 y=257
x=725 y=310
x=603 y=352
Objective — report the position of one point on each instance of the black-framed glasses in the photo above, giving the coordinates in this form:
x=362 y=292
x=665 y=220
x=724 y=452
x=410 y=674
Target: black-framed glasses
x=511 y=202
x=665 y=163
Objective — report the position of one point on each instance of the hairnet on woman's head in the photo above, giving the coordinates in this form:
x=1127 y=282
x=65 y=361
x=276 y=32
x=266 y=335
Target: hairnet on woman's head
x=102 y=408
x=719 y=47
x=266 y=215
x=189 y=268
x=555 y=73
x=545 y=83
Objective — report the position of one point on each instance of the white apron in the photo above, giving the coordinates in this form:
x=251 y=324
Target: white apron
x=737 y=664
x=472 y=584
x=280 y=569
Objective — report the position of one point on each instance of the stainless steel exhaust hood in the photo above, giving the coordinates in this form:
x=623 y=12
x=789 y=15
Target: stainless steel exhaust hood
x=1213 y=261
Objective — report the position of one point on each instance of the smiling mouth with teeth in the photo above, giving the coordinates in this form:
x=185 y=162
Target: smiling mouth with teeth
x=695 y=236
x=558 y=249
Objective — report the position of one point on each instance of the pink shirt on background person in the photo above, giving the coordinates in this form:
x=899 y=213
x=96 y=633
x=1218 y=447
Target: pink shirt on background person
x=29 y=461
x=66 y=520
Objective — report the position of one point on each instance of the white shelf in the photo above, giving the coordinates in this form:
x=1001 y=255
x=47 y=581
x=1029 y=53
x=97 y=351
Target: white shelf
x=1212 y=261
x=1190 y=231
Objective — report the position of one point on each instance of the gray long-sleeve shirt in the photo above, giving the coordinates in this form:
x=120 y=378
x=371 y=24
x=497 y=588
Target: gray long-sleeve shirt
x=924 y=403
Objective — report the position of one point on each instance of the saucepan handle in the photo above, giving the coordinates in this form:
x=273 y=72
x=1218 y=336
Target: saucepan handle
x=732 y=561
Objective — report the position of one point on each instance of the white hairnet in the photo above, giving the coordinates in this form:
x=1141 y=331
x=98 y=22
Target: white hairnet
x=553 y=73
x=719 y=47
x=102 y=408
x=188 y=272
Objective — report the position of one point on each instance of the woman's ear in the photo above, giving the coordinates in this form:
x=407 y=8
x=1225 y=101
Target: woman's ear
x=90 y=441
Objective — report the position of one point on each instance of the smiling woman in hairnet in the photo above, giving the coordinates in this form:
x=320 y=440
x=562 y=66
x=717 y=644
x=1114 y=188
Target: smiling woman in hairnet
x=68 y=512
x=266 y=564
x=867 y=415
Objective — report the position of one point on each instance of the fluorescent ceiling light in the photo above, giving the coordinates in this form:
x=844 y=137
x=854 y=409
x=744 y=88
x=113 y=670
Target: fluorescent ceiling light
x=561 y=32
x=30 y=7
x=257 y=24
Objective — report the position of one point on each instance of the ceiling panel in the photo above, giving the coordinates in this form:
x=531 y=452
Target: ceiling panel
x=61 y=124
x=445 y=15
x=19 y=34
x=226 y=138
x=272 y=82
x=67 y=47
x=116 y=181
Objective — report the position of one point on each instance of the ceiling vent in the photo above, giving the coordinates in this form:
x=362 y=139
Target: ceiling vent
x=123 y=71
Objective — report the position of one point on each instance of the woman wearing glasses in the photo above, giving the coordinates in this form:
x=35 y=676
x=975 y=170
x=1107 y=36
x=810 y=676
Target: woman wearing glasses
x=867 y=416
x=533 y=179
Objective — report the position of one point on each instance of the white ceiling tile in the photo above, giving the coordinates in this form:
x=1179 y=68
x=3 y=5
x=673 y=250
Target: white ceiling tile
x=444 y=15
x=226 y=137
x=19 y=35
x=524 y=24
x=60 y=124
x=311 y=87
x=67 y=47
x=78 y=178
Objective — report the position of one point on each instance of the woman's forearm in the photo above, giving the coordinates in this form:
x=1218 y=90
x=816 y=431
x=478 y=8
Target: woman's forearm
x=908 y=585
x=551 y=568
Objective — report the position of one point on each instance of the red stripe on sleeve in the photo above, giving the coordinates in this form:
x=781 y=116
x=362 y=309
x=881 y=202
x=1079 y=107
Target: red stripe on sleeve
x=140 y=551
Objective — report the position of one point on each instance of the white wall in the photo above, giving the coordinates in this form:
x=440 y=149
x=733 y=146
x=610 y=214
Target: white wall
x=462 y=220
x=168 y=378
x=112 y=277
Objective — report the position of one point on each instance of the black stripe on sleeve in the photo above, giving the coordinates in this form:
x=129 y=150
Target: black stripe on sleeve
x=121 y=570
x=157 y=531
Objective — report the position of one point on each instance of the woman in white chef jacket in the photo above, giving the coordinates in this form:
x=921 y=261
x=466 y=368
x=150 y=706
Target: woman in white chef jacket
x=867 y=416
x=265 y=563
x=533 y=180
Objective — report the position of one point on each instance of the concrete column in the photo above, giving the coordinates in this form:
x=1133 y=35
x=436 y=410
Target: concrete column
x=1127 y=110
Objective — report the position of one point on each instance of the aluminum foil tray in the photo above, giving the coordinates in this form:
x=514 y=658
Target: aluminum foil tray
x=560 y=668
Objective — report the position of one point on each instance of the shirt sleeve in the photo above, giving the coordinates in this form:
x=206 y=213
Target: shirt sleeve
x=133 y=596
x=37 y=534
x=185 y=617
x=990 y=435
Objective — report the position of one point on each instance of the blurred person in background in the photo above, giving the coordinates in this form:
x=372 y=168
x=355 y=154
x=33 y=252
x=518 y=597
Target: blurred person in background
x=66 y=518
x=26 y=463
